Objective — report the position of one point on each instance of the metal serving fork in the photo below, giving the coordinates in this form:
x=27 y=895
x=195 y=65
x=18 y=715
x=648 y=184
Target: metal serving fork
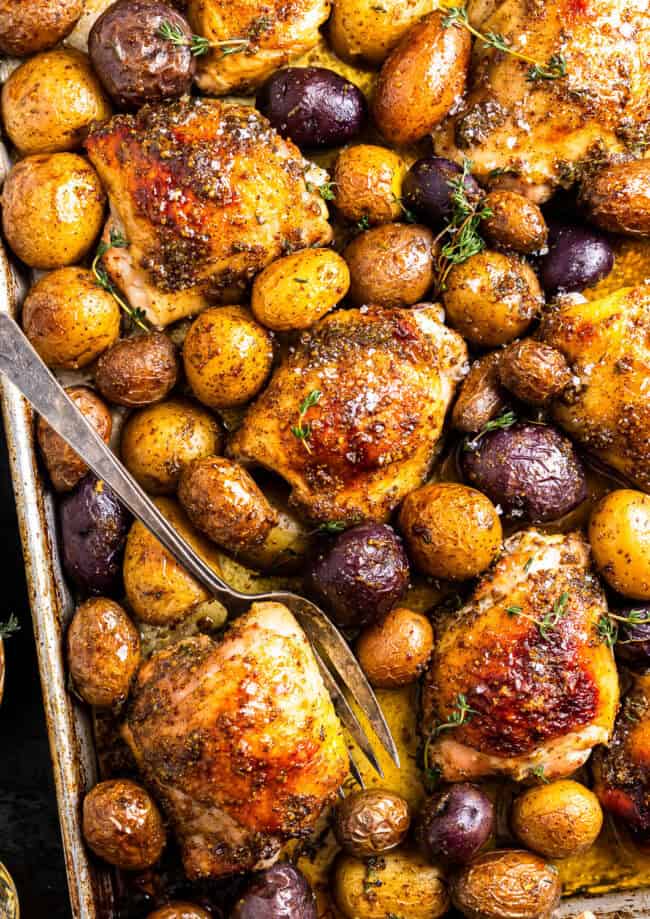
x=339 y=667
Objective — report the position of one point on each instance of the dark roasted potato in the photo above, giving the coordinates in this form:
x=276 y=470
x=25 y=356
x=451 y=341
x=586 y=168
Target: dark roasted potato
x=557 y=820
x=368 y=184
x=28 y=26
x=179 y=910
x=480 y=398
x=122 y=825
x=507 y=884
x=577 y=257
x=280 y=892
x=138 y=371
x=391 y=265
x=533 y=372
x=455 y=823
x=516 y=222
x=64 y=466
x=619 y=533
x=395 y=651
x=370 y=822
x=429 y=187
x=618 y=198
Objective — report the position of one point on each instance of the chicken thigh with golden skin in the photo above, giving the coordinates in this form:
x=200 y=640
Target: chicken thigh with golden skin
x=206 y=194
x=526 y=658
x=239 y=740
x=353 y=416
x=534 y=134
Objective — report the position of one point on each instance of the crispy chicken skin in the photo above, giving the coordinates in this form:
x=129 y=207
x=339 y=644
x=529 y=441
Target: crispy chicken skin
x=540 y=697
x=207 y=194
x=607 y=407
x=385 y=379
x=239 y=740
x=275 y=31
x=540 y=131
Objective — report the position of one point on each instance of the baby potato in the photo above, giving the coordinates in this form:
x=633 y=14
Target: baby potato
x=367 y=31
x=159 y=441
x=138 y=371
x=534 y=372
x=371 y=822
x=179 y=910
x=480 y=398
x=227 y=356
x=289 y=542
x=618 y=198
x=557 y=820
x=395 y=651
x=368 y=184
x=407 y=885
x=69 y=319
x=390 y=265
x=294 y=291
x=421 y=79
x=103 y=652
x=52 y=209
x=516 y=222
x=65 y=468
x=506 y=884
x=223 y=501
x=49 y=102
x=619 y=533
x=122 y=825
x=451 y=530
x=492 y=298
x=29 y=26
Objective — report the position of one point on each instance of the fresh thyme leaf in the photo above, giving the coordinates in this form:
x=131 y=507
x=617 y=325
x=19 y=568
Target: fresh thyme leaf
x=501 y=423
x=332 y=526
x=607 y=630
x=303 y=431
x=327 y=191
x=432 y=776
x=118 y=241
x=364 y=223
x=198 y=44
x=513 y=610
x=528 y=564
x=10 y=627
x=460 y=238
x=539 y=772
x=551 y=619
x=554 y=69
x=461 y=714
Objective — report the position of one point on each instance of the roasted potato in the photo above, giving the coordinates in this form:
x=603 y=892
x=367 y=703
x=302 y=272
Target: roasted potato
x=395 y=651
x=179 y=910
x=557 y=820
x=400 y=882
x=367 y=31
x=516 y=222
x=52 y=209
x=69 y=319
x=390 y=265
x=533 y=372
x=103 y=652
x=371 y=822
x=278 y=892
x=451 y=531
x=492 y=298
x=28 y=26
x=421 y=80
x=368 y=184
x=49 y=102
x=289 y=542
x=65 y=468
x=9 y=905
x=480 y=398
x=122 y=825
x=619 y=533
x=227 y=357
x=506 y=884
x=138 y=371
x=295 y=291
x=159 y=441
x=618 y=198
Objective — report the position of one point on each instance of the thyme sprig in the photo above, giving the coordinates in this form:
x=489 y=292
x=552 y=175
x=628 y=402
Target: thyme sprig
x=198 y=44
x=608 y=626
x=10 y=627
x=117 y=241
x=302 y=430
x=501 y=423
x=461 y=714
x=549 y=621
x=539 y=772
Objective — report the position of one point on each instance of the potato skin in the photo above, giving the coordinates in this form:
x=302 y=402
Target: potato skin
x=179 y=910
x=227 y=357
x=390 y=265
x=534 y=372
x=480 y=398
x=420 y=80
x=363 y=30
x=138 y=371
x=618 y=198
x=159 y=441
x=370 y=822
x=49 y=102
x=103 y=652
x=34 y=25
x=492 y=298
x=557 y=820
x=516 y=223
x=69 y=319
x=395 y=651
x=122 y=825
x=294 y=291
x=368 y=183
x=619 y=533
x=451 y=531
x=506 y=884
x=64 y=466
x=52 y=209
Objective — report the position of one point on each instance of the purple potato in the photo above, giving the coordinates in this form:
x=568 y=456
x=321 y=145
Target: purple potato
x=633 y=642
x=93 y=531
x=361 y=574
x=313 y=106
x=530 y=470
x=280 y=892
x=427 y=192
x=577 y=257
x=455 y=823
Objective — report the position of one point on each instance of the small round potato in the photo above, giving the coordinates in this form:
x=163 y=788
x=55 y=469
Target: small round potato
x=401 y=883
x=64 y=466
x=179 y=910
x=159 y=441
x=289 y=543
x=223 y=501
x=367 y=31
x=138 y=371
x=371 y=822
x=421 y=80
x=49 y=102
x=557 y=820
x=516 y=222
x=619 y=533
x=69 y=319
x=52 y=209
x=227 y=356
x=506 y=884
x=122 y=825
x=534 y=372
x=451 y=531
x=295 y=291
x=391 y=265
x=103 y=652
x=480 y=398
x=492 y=298
x=618 y=198
x=368 y=184
x=395 y=651
x=28 y=26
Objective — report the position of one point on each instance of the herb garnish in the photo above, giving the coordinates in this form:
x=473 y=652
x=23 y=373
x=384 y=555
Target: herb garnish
x=364 y=223
x=539 y=772
x=608 y=628
x=300 y=430
x=117 y=241
x=198 y=45
x=461 y=714
x=551 y=619
x=332 y=527
x=326 y=190
x=501 y=423
x=10 y=627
